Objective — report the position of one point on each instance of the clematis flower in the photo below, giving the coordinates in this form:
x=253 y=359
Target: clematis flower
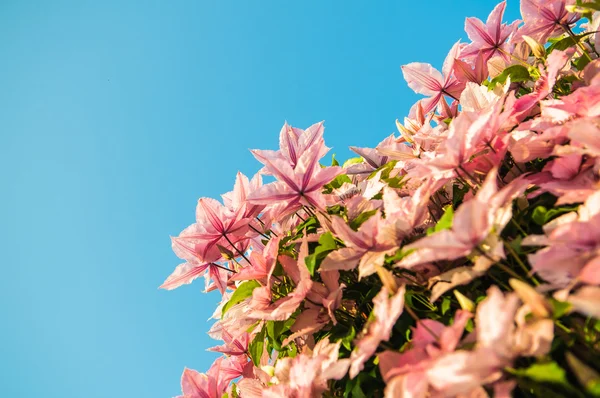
x=365 y=248
x=233 y=346
x=466 y=73
x=489 y=39
x=387 y=309
x=236 y=200
x=297 y=186
x=372 y=161
x=261 y=304
x=306 y=375
x=572 y=246
x=213 y=383
x=472 y=223
x=261 y=264
x=293 y=142
x=407 y=373
x=546 y=18
x=426 y=80
x=322 y=300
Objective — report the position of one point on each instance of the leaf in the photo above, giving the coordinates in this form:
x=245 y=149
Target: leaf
x=337 y=182
x=549 y=372
x=446 y=305
x=334 y=161
x=559 y=308
x=541 y=215
x=581 y=62
x=385 y=170
x=275 y=331
x=310 y=225
x=351 y=161
x=347 y=341
x=517 y=73
x=326 y=244
x=587 y=377
x=255 y=349
x=458 y=194
x=358 y=221
x=243 y=291
x=445 y=222
x=563 y=44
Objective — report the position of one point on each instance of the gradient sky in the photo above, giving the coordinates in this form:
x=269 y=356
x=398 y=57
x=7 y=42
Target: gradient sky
x=116 y=116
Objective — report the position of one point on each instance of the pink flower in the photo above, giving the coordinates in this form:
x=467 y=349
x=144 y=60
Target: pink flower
x=387 y=310
x=297 y=186
x=472 y=223
x=261 y=304
x=293 y=142
x=572 y=246
x=546 y=18
x=426 y=80
x=366 y=247
x=491 y=38
x=306 y=375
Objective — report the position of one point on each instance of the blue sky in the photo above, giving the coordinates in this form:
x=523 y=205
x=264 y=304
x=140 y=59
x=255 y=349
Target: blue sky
x=116 y=116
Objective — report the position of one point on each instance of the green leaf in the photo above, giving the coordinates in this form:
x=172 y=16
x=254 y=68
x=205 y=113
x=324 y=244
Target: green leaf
x=559 y=308
x=542 y=215
x=334 y=161
x=275 y=330
x=549 y=372
x=241 y=293
x=358 y=221
x=339 y=181
x=385 y=170
x=326 y=244
x=581 y=62
x=563 y=44
x=310 y=225
x=347 y=341
x=458 y=194
x=446 y=302
x=539 y=215
x=517 y=73
x=256 y=348
x=445 y=222
x=351 y=161
x=587 y=377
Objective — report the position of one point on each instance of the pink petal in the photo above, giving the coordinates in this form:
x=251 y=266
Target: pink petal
x=184 y=274
x=423 y=78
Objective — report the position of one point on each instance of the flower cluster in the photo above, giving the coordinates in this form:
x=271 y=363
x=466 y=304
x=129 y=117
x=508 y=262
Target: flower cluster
x=460 y=258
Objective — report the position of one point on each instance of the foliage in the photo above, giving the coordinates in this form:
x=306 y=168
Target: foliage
x=460 y=258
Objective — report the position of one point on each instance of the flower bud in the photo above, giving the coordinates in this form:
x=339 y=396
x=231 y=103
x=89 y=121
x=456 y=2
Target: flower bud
x=388 y=280
x=465 y=303
x=536 y=302
x=538 y=50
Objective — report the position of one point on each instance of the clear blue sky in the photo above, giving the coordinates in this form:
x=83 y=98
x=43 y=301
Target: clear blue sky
x=116 y=116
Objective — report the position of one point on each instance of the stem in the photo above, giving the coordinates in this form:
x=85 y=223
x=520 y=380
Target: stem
x=581 y=47
x=521 y=264
x=516 y=224
x=308 y=211
x=225 y=268
x=416 y=318
x=519 y=60
x=472 y=178
x=257 y=231
x=509 y=271
x=325 y=215
x=500 y=265
x=237 y=250
x=450 y=95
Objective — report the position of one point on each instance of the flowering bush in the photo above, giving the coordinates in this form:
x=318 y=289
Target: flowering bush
x=461 y=258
